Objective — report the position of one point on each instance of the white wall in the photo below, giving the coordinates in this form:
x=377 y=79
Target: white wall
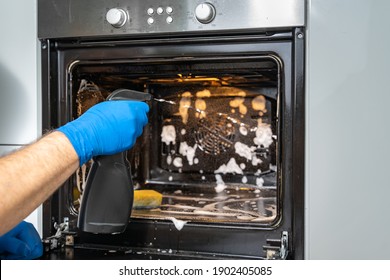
x=348 y=125
x=20 y=104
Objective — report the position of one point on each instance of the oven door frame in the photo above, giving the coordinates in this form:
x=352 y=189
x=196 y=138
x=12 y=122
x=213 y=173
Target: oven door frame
x=285 y=239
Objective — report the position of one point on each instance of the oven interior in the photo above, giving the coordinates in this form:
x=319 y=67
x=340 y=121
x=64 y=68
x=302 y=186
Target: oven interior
x=211 y=144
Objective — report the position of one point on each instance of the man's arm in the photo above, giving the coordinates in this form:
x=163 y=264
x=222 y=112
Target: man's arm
x=30 y=175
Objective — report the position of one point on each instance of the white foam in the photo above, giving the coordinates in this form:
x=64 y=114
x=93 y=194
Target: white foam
x=200 y=106
x=169 y=159
x=178 y=162
x=179 y=224
x=188 y=151
x=273 y=167
x=243 y=110
x=238 y=102
x=256 y=160
x=247 y=152
x=244 y=180
x=168 y=134
x=263 y=135
x=259 y=182
x=230 y=167
x=241 y=93
x=220 y=184
x=184 y=104
x=219 y=188
x=259 y=103
x=203 y=93
x=243 y=130
x=244 y=150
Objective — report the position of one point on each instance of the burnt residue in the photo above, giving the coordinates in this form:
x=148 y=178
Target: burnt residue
x=88 y=95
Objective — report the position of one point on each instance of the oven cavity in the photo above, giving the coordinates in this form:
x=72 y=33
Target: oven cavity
x=211 y=145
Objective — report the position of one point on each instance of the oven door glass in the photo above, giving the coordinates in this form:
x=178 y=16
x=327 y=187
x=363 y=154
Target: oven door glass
x=211 y=146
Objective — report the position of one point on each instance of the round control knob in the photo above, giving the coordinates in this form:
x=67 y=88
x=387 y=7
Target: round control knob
x=116 y=17
x=205 y=13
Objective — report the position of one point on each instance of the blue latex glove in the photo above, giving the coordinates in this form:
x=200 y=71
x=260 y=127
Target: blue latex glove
x=21 y=243
x=107 y=128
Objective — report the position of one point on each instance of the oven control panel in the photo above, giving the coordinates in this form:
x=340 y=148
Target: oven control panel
x=92 y=18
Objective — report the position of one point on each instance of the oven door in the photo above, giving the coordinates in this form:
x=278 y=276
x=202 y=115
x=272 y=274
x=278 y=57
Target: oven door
x=225 y=148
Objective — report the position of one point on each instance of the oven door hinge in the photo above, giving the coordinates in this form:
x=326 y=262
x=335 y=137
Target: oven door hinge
x=277 y=249
x=62 y=237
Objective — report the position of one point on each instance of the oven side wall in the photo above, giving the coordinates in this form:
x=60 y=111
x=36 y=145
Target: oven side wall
x=347 y=134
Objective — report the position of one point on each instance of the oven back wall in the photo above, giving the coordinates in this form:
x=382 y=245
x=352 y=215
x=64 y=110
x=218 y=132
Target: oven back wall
x=347 y=182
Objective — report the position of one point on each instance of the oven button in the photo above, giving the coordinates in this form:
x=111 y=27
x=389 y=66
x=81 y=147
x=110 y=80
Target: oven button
x=169 y=19
x=150 y=11
x=150 y=21
x=205 y=13
x=169 y=10
x=116 y=17
x=160 y=10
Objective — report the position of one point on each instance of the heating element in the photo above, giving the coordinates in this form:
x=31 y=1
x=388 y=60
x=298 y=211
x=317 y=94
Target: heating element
x=224 y=146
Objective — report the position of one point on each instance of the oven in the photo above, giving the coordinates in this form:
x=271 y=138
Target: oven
x=224 y=145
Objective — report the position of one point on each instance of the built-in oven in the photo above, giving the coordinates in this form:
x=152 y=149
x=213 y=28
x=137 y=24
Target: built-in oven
x=224 y=145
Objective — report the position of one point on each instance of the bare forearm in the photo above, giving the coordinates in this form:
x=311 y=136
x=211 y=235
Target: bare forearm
x=29 y=176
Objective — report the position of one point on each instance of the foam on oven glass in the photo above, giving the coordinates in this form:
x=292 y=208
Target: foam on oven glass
x=212 y=151
x=216 y=154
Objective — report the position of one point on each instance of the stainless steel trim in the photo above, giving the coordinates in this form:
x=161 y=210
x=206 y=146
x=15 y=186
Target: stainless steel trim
x=87 y=18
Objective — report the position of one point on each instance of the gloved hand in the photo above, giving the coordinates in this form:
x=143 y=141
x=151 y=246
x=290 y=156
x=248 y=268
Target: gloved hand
x=107 y=128
x=21 y=243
